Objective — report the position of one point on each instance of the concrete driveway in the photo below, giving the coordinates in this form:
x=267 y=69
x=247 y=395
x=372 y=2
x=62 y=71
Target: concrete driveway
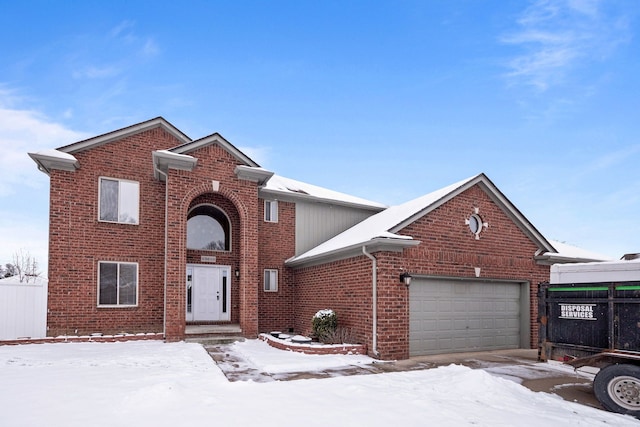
x=520 y=366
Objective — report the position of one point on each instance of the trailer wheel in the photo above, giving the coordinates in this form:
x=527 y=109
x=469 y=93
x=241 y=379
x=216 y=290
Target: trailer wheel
x=617 y=387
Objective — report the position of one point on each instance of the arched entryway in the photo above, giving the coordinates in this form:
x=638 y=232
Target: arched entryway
x=212 y=245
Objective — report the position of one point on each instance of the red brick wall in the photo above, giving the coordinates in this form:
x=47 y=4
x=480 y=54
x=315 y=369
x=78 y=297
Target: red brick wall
x=448 y=248
x=277 y=244
x=345 y=287
x=77 y=240
x=239 y=196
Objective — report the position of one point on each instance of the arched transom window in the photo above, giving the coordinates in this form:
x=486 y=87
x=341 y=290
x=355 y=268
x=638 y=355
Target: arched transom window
x=208 y=229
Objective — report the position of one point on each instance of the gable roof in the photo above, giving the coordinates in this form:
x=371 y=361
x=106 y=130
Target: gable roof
x=62 y=158
x=218 y=139
x=123 y=133
x=379 y=232
x=179 y=158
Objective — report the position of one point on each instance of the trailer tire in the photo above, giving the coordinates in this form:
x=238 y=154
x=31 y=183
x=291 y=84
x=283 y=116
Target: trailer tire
x=617 y=388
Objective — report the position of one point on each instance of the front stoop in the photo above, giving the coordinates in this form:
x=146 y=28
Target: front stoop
x=213 y=334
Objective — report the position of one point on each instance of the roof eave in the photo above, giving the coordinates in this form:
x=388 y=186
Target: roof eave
x=378 y=244
x=47 y=163
x=165 y=160
x=266 y=193
x=554 y=258
x=254 y=174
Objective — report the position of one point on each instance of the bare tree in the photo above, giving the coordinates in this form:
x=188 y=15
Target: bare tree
x=26 y=266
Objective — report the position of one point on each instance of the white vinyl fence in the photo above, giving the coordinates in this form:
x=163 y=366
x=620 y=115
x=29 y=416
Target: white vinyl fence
x=23 y=309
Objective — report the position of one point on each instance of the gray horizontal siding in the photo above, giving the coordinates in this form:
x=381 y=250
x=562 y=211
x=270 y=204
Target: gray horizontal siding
x=318 y=222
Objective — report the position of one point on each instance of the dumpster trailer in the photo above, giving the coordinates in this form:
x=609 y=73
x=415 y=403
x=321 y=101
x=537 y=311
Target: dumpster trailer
x=589 y=315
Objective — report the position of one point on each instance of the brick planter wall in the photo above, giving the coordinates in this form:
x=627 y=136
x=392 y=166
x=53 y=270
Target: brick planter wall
x=314 y=348
x=75 y=338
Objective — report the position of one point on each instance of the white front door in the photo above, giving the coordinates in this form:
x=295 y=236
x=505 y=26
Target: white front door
x=208 y=292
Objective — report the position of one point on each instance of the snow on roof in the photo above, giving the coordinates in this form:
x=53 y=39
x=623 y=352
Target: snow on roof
x=568 y=251
x=381 y=224
x=55 y=154
x=176 y=155
x=289 y=186
x=54 y=159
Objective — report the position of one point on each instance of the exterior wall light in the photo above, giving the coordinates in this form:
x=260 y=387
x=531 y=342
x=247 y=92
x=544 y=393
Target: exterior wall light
x=405 y=278
x=237 y=273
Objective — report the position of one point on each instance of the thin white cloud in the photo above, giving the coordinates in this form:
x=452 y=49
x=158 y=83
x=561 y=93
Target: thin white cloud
x=125 y=33
x=586 y=7
x=123 y=30
x=557 y=36
x=120 y=51
x=614 y=158
x=94 y=72
x=150 y=48
x=23 y=131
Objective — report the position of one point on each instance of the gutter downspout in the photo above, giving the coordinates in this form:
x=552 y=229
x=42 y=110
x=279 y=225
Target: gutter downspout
x=166 y=239
x=374 y=275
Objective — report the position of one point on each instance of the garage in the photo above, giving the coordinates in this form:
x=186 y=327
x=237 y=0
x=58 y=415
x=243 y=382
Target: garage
x=460 y=315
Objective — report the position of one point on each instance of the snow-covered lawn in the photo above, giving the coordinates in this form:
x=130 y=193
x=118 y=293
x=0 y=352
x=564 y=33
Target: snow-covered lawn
x=156 y=384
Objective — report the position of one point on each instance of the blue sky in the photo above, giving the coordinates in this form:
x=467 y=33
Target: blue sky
x=383 y=100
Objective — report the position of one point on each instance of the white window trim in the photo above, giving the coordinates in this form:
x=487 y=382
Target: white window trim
x=117 y=305
x=119 y=202
x=272 y=272
x=270 y=211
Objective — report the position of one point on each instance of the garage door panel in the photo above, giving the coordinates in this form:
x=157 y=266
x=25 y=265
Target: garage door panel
x=449 y=316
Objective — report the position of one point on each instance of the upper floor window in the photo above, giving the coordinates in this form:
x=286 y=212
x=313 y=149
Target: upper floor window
x=208 y=228
x=271 y=210
x=117 y=283
x=119 y=201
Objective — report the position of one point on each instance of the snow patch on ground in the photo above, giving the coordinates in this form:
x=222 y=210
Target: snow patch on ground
x=158 y=384
x=279 y=361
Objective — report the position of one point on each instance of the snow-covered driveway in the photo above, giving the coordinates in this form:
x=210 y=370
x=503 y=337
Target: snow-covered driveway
x=178 y=384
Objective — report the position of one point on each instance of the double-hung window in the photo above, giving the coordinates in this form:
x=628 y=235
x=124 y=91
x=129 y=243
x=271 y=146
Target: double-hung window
x=271 y=211
x=117 y=283
x=119 y=201
x=271 y=280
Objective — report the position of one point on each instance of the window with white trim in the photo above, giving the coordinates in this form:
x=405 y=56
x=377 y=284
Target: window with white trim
x=271 y=211
x=270 y=280
x=117 y=283
x=119 y=201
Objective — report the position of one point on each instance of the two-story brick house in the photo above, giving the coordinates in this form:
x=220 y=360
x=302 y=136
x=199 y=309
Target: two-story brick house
x=151 y=231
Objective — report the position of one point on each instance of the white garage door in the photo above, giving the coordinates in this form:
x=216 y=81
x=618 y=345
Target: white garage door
x=463 y=315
